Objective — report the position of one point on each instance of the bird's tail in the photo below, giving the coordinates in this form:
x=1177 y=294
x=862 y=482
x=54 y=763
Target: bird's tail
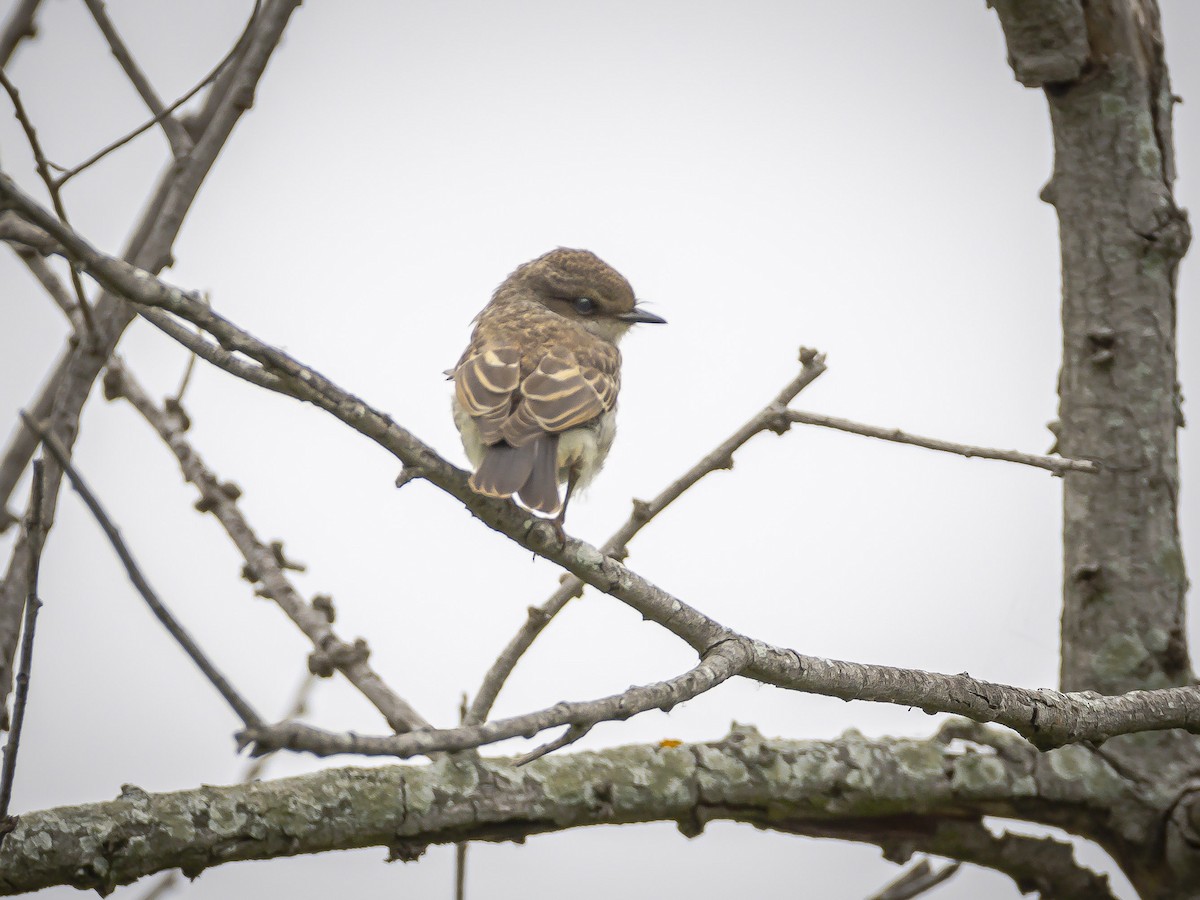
x=530 y=471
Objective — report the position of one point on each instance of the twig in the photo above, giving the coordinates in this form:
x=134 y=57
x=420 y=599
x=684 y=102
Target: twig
x=916 y=880
x=36 y=535
x=1046 y=718
x=720 y=664
x=177 y=136
x=217 y=497
x=43 y=170
x=568 y=737
x=68 y=174
x=812 y=364
x=243 y=709
x=190 y=367
x=1055 y=464
x=20 y=25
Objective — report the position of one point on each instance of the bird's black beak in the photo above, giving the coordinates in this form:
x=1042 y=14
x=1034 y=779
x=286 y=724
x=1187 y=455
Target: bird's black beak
x=635 y=316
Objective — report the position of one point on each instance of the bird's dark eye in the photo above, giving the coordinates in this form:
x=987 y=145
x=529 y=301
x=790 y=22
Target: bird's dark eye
x=585 y=306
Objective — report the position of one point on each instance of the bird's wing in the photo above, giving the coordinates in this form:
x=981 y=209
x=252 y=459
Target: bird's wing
x=484 y=384
x=566 y=389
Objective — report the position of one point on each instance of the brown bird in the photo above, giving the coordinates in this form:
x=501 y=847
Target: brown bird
x=535 y=392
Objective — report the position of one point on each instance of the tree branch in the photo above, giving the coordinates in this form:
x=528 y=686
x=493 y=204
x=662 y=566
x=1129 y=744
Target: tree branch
x=812 y=365
x=235 y=700
x=43 y=170
x=773 y=783
x=1048 y=718
x=70 y=382
x=169 y=111
x=177 y=136
x=916 y=881
x=35 y=534
x=722 y=663
x=1055 y=464
x=21 y=24
x=220 y=499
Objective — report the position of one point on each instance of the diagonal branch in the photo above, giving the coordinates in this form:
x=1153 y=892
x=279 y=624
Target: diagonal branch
x=43 y=170
x=812 y=365
x=220 y=499
x=235 y=700
x=70 y=382
x=719 y=665
x=1055 y=464
x=1047 y=718
x=916 y=881
x=177 y=136
x=36 y=535
x=20 y=24
x=221 y=69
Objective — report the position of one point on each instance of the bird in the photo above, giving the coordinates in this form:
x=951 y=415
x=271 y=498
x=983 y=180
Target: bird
x=535 y=391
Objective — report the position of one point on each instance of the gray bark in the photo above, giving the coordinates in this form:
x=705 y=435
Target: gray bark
x=906 y=795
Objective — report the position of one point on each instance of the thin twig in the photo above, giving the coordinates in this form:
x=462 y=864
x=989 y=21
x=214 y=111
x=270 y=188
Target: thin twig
x=220 y=498
x=19 y=26
x=177 y=136
x=191 y=363
x=915 y=881
x=68 y=174
x=812 y=364
x=725 y=660
x=1056 y=464
x=36 y=535
x=239 y=705
x=43 y=170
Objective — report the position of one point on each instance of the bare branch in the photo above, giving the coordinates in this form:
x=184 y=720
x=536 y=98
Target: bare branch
x=70 y=382
x=35 y=533
x=720 y=664
x=219 y=498
x=1055 y=464
x=1048 y=718
x=177 y=136
x=778 y=784
x=812 y=365
x=917 y=880
x=20 y=24
x=1046 y=865
x=43 y=170
x=219 y=69
x=235 y=700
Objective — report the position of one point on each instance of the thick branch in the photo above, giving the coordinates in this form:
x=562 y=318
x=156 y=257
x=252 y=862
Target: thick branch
x=1048 y=718
x=405 y=808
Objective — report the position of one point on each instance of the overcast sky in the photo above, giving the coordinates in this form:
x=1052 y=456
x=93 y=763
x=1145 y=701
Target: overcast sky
x=859 y=177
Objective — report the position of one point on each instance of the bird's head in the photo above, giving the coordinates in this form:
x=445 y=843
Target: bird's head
x=578 y=285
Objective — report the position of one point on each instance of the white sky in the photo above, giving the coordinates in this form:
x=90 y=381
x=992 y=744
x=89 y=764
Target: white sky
x=859 y=177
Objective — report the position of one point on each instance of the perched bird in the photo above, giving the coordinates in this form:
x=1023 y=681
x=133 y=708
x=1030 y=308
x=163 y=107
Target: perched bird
x=535 y=392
